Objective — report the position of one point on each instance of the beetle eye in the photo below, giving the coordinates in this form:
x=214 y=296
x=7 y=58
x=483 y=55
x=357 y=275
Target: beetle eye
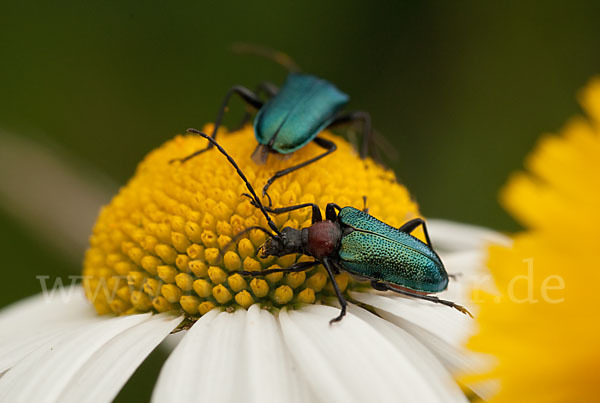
x=270 y=247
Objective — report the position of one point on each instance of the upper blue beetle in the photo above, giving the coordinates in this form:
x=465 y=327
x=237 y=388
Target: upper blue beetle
x=303 y=107
x=292 y=117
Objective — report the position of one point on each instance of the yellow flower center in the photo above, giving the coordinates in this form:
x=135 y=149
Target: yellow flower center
x=164 y=242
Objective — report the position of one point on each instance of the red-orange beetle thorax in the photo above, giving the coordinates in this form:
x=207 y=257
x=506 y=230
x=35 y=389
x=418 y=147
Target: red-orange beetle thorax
x=323 y=239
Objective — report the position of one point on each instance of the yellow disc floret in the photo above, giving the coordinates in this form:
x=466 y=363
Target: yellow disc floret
x=165 y=241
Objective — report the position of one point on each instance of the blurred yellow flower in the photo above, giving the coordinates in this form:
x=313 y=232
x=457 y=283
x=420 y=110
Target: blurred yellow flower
x=543 y=326
x=163 y=243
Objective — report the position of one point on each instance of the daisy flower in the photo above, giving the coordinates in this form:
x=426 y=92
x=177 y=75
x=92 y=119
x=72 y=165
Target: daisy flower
x=540 y=324
x=161 y=260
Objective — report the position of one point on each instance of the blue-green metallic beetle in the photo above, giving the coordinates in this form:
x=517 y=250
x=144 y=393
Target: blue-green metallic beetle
x=375 y=250
x=302 y=108
x=354 y=241
x=294 y=115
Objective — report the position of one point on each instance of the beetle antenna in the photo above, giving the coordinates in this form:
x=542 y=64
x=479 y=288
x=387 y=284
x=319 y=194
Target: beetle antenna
x=274 y=55
x=241 y=174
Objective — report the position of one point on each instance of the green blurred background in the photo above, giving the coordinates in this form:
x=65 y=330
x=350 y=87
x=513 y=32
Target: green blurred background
x=462 y=89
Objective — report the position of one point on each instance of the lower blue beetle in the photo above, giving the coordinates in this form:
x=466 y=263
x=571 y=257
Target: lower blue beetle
x=354 y=241
x=293 y=116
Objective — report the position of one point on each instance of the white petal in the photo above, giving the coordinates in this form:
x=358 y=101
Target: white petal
x=446 y=323
x=421 y=359
x=105 y=373
x=23 y=344
x=43 y=374
x=28 y=313
x=271 y=374
x=454 y=236
x=440 y=328
x=318 y=358
x=180 y=374
x=172 y=341
x=350 y=361
x=207 y=358
x=467 y=264
x=224 y=360
x=244 y=350
x=470 y=266
x=28 y=324
x=486 y=389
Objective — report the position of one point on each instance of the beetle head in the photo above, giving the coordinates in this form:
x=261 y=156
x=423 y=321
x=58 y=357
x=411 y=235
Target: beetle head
x=290 y=241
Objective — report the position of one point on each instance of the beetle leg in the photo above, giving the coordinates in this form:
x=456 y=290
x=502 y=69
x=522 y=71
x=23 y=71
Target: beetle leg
x=349 y=117
x=383 y=287
x=265 y=87
x=330 y=213
x=337 y=267
x=365 y=208
x=337 y=290
x=328 y=145
x=379 y=286
x=411 y=225
x=268 y=88
x=316 y=212
x=247 y=96
x=296 y=267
